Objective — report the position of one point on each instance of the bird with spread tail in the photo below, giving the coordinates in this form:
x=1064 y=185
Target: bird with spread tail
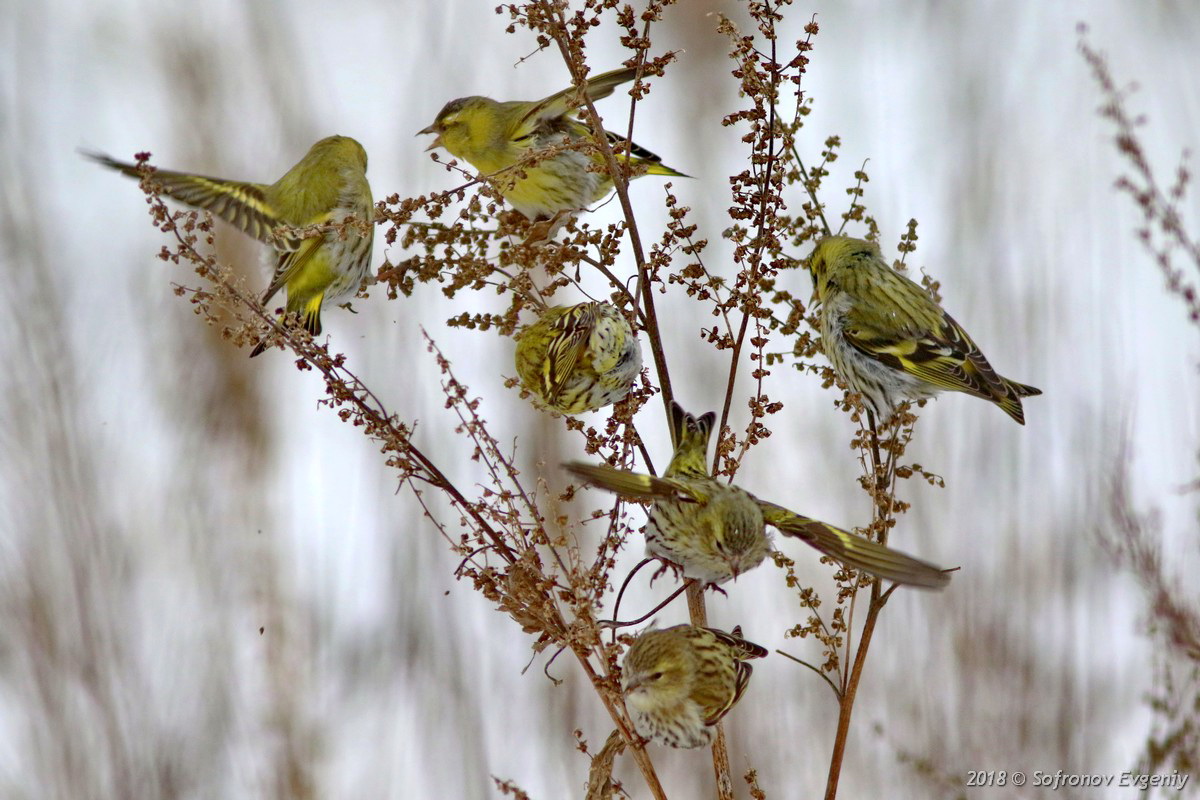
x=679 y=682
x=714 y=531
x=324 y=189
x=578 y=358
x=531 y=149
x=889 y=341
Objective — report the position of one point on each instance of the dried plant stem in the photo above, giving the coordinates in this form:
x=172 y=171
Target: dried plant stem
x=881 y=479
x=621 y=186
x=762 y=222
x=720 y=754
x=696 y=607
x=846 y=702
x=640 y=756
x=883 y=475
x=381 y=423
x=698 y=613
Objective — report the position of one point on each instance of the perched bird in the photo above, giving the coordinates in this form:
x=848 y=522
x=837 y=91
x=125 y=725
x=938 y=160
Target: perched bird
x=578 y=358
x=679 y=682
x=889 y=341
x=328 y=185
x=714 y=531
x=498 y=137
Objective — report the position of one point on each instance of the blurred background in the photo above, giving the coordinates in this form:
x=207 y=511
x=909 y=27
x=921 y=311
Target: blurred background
x=211 y=588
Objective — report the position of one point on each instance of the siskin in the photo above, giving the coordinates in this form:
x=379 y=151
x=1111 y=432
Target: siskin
x=578 y=358
x=326 y=187
x=889 y=341
x=714 y=531
x=679 y=682
x=495 y=137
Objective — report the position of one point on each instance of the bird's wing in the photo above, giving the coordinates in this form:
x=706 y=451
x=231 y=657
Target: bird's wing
x=560 y=103
x=568 y=343
x=243 y=205
x=947 y=359
x=633 y=484
x=718 y=710
x=896 y=322
x=855 y=551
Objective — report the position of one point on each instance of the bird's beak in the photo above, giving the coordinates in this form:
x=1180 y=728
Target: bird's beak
x=437 y=142
x=735 y=566
x=631 y=685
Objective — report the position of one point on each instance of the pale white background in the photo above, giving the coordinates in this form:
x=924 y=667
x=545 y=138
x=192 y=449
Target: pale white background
x=162 y=497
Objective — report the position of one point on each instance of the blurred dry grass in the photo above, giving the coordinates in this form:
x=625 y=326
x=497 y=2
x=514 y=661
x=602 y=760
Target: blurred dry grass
x=162 y=498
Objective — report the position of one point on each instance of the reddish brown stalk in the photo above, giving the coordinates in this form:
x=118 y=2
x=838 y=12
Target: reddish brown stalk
x=621 y=185
x=698 y=613
x=846 y=703
x=640 y=757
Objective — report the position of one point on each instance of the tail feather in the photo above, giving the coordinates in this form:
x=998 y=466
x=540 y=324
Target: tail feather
x=735 y=639
x=640 y=155
x=1023 y=390
x=309 y=311
x=1010 y=404
x=663 y=169
x=1010 y=400
x=690 y=435
x=310 y=317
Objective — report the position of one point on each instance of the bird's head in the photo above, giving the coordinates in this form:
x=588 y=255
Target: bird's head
x=832 y=254
x=654 y=673
x=338 y=150
x=740 y=538
x=464 y=126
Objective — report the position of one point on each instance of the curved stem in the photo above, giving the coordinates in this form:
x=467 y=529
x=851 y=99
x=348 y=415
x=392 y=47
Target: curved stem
x=836 y=691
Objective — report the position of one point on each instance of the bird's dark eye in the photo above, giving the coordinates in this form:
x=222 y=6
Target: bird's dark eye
x=656 y=676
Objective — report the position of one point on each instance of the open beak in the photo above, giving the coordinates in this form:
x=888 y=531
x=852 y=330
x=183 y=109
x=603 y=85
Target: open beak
x=437 y=142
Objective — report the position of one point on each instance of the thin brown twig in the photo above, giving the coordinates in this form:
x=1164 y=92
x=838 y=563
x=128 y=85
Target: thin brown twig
x=636 y=746
x=755 y=259
x=837 y=693
x=621 y=186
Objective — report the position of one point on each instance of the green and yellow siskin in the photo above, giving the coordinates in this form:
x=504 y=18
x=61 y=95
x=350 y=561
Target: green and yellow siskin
x=715 y=531
x=679 y=682
x=888 y=339
x=325 y=188
x=496 y=137
x=578 y=358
